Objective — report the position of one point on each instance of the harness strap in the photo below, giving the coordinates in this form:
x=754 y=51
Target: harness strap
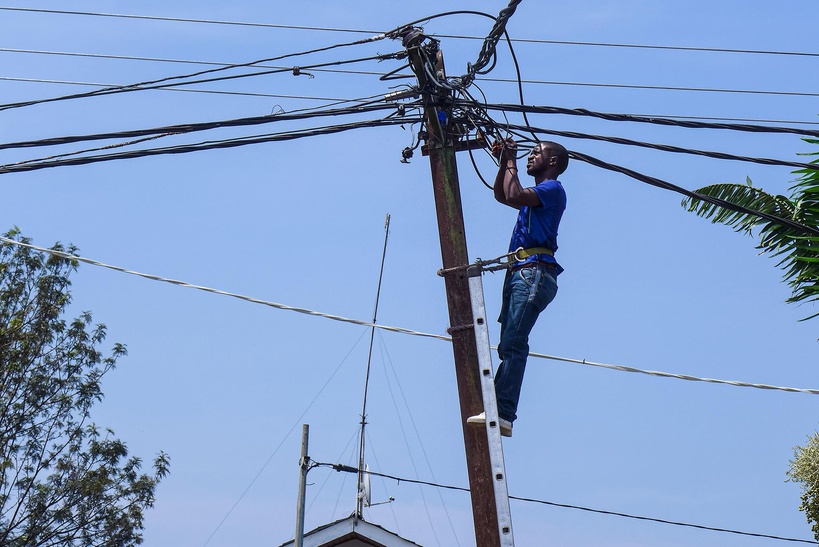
x=521 y=253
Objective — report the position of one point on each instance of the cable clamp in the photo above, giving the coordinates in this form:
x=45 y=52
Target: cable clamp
x=459 y=328
x=297 y=72
x=403 y=94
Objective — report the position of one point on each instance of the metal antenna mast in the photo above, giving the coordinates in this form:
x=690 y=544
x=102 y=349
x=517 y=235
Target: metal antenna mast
x=360 y=496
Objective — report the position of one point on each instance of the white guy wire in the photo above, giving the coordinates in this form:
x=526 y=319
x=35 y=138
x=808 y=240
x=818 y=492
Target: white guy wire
x=401 y=330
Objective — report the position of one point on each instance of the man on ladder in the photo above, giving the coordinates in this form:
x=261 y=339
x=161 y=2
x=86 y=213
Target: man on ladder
x=531 y=282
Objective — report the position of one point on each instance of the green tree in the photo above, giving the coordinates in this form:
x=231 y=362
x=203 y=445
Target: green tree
x=804 y=470
x=797 y=252
x=62 y=481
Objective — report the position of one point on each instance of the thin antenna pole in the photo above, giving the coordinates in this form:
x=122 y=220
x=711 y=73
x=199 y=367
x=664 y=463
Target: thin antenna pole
x=359 y=511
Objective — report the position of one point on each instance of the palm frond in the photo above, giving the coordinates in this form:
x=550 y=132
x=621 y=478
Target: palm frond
x=798 y=254
x=744 y=195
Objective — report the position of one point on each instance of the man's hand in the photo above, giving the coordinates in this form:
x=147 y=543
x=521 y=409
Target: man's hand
x=505 y=150
x=507 y=184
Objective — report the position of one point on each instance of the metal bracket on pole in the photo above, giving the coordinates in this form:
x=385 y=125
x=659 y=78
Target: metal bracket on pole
x=490 y=406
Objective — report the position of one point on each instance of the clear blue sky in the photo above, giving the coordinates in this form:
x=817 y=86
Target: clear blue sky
x=223 y=385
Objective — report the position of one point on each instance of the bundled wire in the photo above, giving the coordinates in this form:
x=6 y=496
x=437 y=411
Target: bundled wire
x=207 y=145
x=750 y=128
x=202 y=126
x=488 y=53
x=163 y=82
x=663 y=147
x=659 y=183
x=490 y=126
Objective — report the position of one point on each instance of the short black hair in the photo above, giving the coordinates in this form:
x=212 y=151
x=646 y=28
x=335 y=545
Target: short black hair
x=560 y=151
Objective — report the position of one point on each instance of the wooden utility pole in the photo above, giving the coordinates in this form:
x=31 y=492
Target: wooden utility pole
x=304 y=467
x=441 y=143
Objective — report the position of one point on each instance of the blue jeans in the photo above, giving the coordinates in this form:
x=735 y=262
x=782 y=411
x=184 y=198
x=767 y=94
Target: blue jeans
x=526 y=292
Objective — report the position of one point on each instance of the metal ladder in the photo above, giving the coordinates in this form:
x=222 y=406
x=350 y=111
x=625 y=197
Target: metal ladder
x=490 y=405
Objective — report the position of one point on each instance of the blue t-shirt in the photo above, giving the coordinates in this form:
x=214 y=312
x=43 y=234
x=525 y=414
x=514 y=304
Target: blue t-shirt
x=537 y=226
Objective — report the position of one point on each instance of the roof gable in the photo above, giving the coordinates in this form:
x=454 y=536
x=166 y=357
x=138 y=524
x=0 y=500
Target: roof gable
x=352 y=532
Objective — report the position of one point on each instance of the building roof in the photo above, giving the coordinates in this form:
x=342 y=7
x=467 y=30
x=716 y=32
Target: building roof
x=352 y=532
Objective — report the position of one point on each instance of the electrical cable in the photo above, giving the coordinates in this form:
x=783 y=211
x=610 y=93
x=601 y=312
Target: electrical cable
x=387 y=490
x=725 y=119
x=518 y=77
x=478 y=171
x=161 y=83
x=488 y=53
x=326 y=480
x=146 y=85
x=474 y=122
x=343 y=481
x=640 y=46
x=97 y=149
x=356 y=72
x=649 y=119
x=666 y=147
x=186 y=20
x=208 y=145
x=206 y=91
x=201 y=126
x=453 y=36
x=348 y=469
x=662 y=87
x=185 y=128
x=398 y=330
x=796 y=226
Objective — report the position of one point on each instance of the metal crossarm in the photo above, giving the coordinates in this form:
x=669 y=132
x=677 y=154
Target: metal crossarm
x=490 y=406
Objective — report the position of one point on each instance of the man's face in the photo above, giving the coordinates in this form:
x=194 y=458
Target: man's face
x=538 y=160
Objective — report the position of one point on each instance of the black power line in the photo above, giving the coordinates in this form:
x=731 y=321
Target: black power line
x=202 y=126
x=659 y=183
x=663 y=88
x=493 y=127
x=208 y=91
x=372 y=73
x=348 y=469
x=663 y=147
x=455 y=36
x=176 y=61
x=30 y=166
x=646 y=119
x=208 y=145
x=160 y=84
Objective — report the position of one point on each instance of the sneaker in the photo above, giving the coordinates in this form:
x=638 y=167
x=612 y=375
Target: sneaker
x=480 y=421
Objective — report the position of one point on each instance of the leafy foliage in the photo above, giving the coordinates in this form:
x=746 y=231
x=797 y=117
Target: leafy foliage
x=798 y=253
x=61 y=481
x=804 y=470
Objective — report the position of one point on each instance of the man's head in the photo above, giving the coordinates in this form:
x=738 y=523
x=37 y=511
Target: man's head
x=547 y=160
